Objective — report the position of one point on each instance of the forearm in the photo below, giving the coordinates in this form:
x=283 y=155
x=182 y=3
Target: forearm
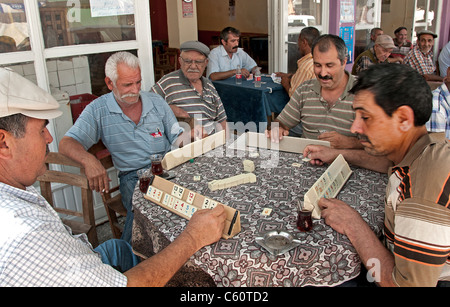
x=361 y=158
x=160 y=268
x=222 y=75
x=74 y=150
x=179 y=112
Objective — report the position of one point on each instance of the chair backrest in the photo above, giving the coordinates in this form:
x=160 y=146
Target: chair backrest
x=111 y=200
x=77 y=180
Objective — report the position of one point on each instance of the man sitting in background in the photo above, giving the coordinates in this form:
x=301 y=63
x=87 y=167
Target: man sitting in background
x=402 y=46
x=224 y=60
x=421 y=56
x=378 y=54
x=189 y=94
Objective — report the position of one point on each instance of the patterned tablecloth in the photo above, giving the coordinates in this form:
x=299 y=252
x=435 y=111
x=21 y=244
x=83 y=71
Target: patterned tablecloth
x=325 y=257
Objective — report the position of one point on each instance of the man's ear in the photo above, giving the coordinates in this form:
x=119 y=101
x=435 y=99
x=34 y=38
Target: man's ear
x=109 y=83
x=405 y=118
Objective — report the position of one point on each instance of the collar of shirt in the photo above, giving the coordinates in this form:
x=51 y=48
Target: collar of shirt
x=318 y=89
x=186 y=81
x=114 y=107
x=29 y=195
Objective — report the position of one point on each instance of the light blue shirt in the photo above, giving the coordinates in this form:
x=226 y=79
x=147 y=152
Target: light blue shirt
x=219 y=61
x=130 y=145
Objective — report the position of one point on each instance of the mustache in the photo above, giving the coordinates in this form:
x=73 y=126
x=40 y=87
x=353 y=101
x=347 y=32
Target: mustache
x=236 y=47
x=362 y=137
x=129 y=96
x=193 y=70
x=325 y=78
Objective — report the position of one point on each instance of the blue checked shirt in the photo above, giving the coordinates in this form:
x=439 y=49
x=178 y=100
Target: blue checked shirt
x=38 y=250
x=440 y=118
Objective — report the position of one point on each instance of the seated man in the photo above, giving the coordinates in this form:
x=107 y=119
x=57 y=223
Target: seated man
x=189 y=94
x=323 y=106
x=225 y=59
x=133 y=125
x=36 y=248
x=305 y=70
x=421 y=56
x=374 y=33
x=378 y=54
x=440 y=117
x=402 y=46
x=392 y=104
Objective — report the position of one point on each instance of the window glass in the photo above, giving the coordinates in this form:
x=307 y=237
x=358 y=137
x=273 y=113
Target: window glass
x=78 y=75
x=25 y=69
x=302 y=13
x=66 y=23
x=366 y=20
x=14 y=34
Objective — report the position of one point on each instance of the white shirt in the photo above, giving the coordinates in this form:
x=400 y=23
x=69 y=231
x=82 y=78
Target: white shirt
x=38 y=250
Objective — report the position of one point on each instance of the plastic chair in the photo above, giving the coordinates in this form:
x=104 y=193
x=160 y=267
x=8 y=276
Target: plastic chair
x=78 y=180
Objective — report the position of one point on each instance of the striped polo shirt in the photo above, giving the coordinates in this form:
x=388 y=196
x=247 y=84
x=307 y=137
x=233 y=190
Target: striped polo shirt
x=207 y=108
x=417 y=213
x=309 y=108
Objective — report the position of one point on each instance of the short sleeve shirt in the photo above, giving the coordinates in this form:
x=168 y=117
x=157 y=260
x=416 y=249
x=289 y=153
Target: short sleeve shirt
x=38 y=250
x=207 y=108
x=130 y=145
x=220 y=61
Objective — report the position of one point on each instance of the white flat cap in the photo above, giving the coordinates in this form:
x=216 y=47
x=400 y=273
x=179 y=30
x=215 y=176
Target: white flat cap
x=21 y=96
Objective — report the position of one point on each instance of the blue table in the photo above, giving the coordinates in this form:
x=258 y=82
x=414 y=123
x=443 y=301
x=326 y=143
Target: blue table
x=245 y=103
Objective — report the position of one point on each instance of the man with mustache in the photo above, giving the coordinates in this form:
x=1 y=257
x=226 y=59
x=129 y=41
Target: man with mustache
x=225 y=59
x=132 y=124
x=421 y=56
x=191 y=96
x=378 y=54
x=323 y=106
x=393 y=104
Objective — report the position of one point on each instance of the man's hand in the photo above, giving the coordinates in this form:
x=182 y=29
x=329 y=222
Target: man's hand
x=276 y=133
x=339 y=215
x=320 y=155
x=96 y=174
x=206 y=226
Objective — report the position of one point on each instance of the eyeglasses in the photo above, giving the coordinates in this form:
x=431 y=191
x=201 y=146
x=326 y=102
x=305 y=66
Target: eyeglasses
x=196 y=62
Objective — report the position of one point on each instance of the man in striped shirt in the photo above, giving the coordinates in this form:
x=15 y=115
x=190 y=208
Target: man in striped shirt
x=323 y=106
x=189 y=94
x=393 y=103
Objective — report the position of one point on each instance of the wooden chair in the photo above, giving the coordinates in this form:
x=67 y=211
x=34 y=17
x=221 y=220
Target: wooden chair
x=166 y=62
x=111 y=200
x=78 y=180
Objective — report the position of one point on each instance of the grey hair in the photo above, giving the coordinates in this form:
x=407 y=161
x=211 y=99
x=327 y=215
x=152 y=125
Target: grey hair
x=15 y=124
x=324 y=43
x=123 y=57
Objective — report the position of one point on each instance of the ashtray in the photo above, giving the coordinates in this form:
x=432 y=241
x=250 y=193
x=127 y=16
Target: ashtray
x=277 y=242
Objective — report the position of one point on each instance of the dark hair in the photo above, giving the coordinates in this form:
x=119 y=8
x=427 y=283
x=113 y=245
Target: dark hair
x=399 y=29
x=397 y=85
x=324 y=43
x=225 y=32
x=310 y=34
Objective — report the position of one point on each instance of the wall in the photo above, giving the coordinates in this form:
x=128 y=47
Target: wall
x=251 y=15
x=401 y=15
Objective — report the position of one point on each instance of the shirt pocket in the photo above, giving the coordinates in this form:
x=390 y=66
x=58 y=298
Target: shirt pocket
x=155 y=135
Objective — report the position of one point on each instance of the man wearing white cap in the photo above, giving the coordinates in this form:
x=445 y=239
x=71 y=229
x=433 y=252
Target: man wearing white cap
x=189 y=94
x=378 y=54
x=36 y=249
x=421 y=56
